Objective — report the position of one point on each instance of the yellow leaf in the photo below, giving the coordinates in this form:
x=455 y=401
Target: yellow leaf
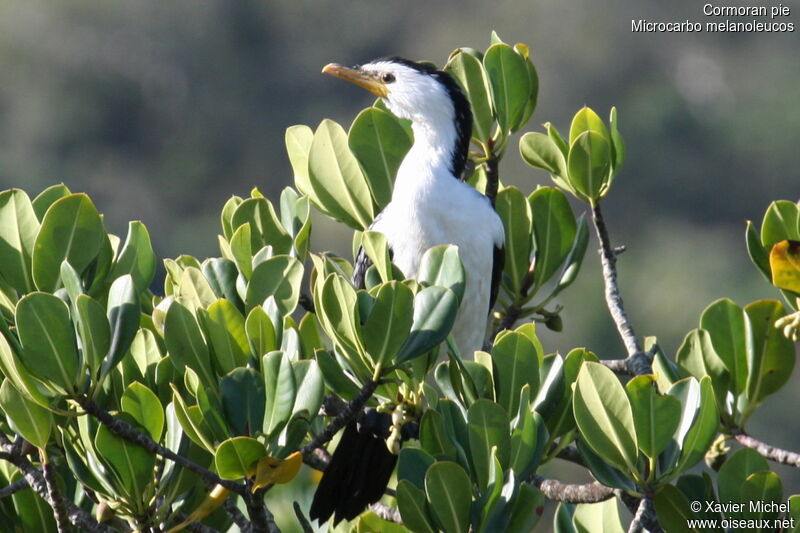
x=270 y=470
x=216 y=498
x=784 y=261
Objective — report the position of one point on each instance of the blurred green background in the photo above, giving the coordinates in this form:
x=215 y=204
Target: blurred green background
x=161 y=110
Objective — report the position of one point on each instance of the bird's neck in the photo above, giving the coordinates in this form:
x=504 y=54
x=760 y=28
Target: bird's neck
x=430 y=160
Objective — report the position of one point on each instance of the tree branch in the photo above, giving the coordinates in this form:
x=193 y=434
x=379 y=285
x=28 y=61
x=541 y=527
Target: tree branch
x=236 y=515
x=569 y=493
x=638 y=362
x=301 y=518
x=645 y=518
x=768 y=451
x=59 y=510
x=342 y=419
x=124 y=430
x=260 y=517
x=13 y=488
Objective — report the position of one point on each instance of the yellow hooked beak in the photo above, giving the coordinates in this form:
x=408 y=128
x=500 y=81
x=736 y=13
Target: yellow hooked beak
x=363 y=79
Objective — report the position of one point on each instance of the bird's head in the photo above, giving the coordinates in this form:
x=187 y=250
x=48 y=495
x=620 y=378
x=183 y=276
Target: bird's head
x=428 y=97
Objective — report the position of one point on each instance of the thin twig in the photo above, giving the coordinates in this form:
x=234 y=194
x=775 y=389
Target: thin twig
x=347 y=414
x=260 y=517
x=236 y=515
x=638 y=362
x=59 y=510
x=301 y=518
x=390 y=514
x=13 y=488
x=568 y=493
x=124 y=430
x=770 y=452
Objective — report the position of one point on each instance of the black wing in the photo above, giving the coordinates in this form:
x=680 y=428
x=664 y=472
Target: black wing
x=363 y=262
x=497 y=274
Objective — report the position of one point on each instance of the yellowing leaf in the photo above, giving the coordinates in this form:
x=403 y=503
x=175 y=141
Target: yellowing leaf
x=215 y=498
x=271 y=470
x=784 y=261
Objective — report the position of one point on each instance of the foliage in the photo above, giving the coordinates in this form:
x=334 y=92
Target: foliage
x=156 y=409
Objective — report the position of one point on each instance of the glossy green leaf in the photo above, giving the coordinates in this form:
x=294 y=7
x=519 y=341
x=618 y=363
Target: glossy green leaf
x=122 y=311
x=413 y=508
x=468 y=71
x=735 y=470
x=143 y=405
x=377 y=249
x=516 y=364
x=759 y=254
x=528 y=436
x=298 y=141
x=236 y=458
x=280 y=277
x=265 y=227
x=448 y=485
x=280 y=390
x=379 y=143
x=655 y=416
x=71 y=230
x=703 y=430
x=412 y=465
x=242 y=250
x=510 y=84
x=433 y=438
x=604 y=416
x=33 y=422
x=554 y=230
x=243 y=400
x=18 y=229
x=310 y=387
x=763 y=487
x=48 y=197
x=488 y=427
x=227 y=336
x=697 y=357
x=515 y=212
x=441 y=265
x=673 y=511
x=589 y=162
x=389 y=323
x=194 y=290
x=617 y=142
x=587 y=120
x=574 y=259
x=335 y=377
x=540 y=151
x=186 y=344
x=339 y=186
x=725 y=323
x=434 y=314
x=48 y=339
x=226 y=216
x=136 y=257
x=603 y=471
x=131 y=464
x=602 y=517
x=527 y=510
x=781 y=222
x=770 y=355
x=260 y=332
x=94 y=331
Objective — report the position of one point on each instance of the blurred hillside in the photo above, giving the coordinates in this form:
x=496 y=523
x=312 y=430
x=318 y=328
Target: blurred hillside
x=162 y=110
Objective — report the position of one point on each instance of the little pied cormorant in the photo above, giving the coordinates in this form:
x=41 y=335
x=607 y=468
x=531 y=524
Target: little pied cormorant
x=430 y=205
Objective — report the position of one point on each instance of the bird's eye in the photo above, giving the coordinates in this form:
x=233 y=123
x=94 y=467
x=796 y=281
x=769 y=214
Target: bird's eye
x=387 y=77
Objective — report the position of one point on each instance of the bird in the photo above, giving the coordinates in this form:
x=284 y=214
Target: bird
x=430 y=205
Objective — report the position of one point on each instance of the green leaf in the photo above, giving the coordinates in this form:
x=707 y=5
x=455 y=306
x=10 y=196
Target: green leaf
x=587 y=120
x=574 y=259
x=516 y=364
x=242 y=250
x=441 y=265
x=48 y=340
x=448 y=485
x=18 y=229
x=226 y=216
x=540 y=151
x=260 y=332
x=131 y=464
x=335 y=377
x=697 y=357
x=48 y=197
x=617 y=143
x=377 y=249
x=527 y=510
x=602 y=471
x=673 y=511
x=412 y=464
x=725 y=323
x=735 y=470
x=280 y=277
x=340 y=187
x=123 y=311
x=515 y=212
x=433 y=438
x=94 y=331
x=225 y=327
x=143 y=405
x=759 y=254
x=600 y=517
x=265 y=227
x=186 y=345
x=298 y=144
x=136 y=257
x=379 y=143
x=280 y=390
x=488 y=425
x=770 y=355
x=763 y=487
x=243 y=400
x=703 y=430
x=236 y=458
x=434 y=314
x=389 y=323
x=554 y=230
x=655 y=416
x=33 y=422
x=589 y=162
x=510 y=83
x=781 y=222
x=604 y=416
x=528 y=436
x=412 y=507
x=71 y=230
x=310 y=387
x=468 y=71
